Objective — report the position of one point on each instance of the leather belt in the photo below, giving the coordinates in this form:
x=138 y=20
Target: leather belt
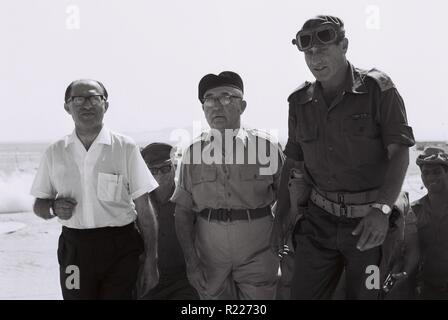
x=235 y=214
x=350 y=198
x=342 y=207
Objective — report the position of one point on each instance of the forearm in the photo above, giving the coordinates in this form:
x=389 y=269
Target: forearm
x=147 y=224
x=185 y=230
x=42 y=208
x=395 y=174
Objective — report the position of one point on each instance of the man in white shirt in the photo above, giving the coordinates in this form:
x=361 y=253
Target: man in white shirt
x=97 y=184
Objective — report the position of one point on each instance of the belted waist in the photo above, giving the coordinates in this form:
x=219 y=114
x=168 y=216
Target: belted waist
x=97 y=232
x=235 y=214
x=349 y=197
x=349 y=205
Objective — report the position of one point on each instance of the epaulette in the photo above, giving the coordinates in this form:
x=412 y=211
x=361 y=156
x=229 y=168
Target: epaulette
x=382 y=79
x=304 y=85
x=262 y=134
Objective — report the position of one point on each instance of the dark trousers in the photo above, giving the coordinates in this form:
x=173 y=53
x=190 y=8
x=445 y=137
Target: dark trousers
x=172 y=286
x=434 y=292
x=99 y=263
x=325 y=246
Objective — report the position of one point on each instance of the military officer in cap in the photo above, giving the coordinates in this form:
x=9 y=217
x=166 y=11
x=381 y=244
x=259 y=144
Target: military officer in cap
x=173 y=283
x=348 y=133
x=432 y=224
x=228 y=181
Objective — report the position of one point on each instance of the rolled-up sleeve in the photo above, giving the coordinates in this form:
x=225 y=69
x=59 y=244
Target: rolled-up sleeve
x=394 y=124
x=292 y=148
x=182 y=194
x=43 y=186
x=141 y=180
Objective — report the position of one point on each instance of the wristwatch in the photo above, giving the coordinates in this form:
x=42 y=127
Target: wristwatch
x=384 y=208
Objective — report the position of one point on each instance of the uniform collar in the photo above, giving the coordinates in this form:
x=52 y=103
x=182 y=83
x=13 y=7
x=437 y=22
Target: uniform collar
x=354 y=83
x=239 y=134
x=104 y=137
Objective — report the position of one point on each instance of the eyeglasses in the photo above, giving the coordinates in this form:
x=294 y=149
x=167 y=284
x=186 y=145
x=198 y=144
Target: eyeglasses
x=223 y=100
x=164 y=170
x=80 y=100
x=325 y=34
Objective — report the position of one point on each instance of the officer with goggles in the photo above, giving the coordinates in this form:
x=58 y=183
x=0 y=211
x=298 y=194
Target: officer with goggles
x=349 y=136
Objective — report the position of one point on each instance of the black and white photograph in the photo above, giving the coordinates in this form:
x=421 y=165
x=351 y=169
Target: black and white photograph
x=223 y=151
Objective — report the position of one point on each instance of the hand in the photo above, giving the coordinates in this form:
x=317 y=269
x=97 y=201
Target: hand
x=63 y=207
x=373 y=229
x=197 y=278
x=277 y=239
x=148 y=277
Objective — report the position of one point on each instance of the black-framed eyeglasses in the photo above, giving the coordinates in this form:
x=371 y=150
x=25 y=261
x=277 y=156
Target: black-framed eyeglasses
x=163 y=170
x=322 y=35
x=223 y=100
x=80 y=100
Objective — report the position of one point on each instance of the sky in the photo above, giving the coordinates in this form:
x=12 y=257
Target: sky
x=151 y=55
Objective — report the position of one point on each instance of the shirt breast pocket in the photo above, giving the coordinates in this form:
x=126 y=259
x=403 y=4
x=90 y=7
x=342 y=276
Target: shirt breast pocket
x=203 y=174
x=252 y=172
x=307 y=135
x=364 y=143
x=109 y=187
x=361 y=125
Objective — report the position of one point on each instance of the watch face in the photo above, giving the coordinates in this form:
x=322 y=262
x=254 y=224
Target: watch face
x=386 y=209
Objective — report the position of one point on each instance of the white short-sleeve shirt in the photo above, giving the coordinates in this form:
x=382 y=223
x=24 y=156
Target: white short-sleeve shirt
x=103 y=180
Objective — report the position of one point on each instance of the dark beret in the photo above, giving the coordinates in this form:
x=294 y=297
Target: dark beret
x=156 y=153
x=225 y=78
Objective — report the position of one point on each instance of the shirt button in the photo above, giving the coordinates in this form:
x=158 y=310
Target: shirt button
x=330 y=148
x=229 y=194
x=315 y=100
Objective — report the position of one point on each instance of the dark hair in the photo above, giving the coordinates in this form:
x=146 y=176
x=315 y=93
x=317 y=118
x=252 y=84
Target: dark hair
x=68 y=91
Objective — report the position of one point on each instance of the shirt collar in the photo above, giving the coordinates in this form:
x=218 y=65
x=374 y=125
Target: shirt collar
x=104 y=137
x=354 y=83
x=240 y=134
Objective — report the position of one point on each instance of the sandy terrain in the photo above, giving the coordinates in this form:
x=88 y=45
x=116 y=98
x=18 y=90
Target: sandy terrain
x=28 y=262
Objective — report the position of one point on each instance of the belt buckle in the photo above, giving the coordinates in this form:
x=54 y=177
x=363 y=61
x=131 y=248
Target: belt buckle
x=225 y=215
x=342 y=206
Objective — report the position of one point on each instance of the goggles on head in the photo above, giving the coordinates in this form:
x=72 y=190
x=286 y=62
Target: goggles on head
x=322 y=35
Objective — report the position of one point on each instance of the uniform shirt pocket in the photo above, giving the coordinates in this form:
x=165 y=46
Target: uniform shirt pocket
x=109 y=187
x=307 y=134
x=364 y=143
x=203 y=174
x=361 y=125
x=252 y=172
